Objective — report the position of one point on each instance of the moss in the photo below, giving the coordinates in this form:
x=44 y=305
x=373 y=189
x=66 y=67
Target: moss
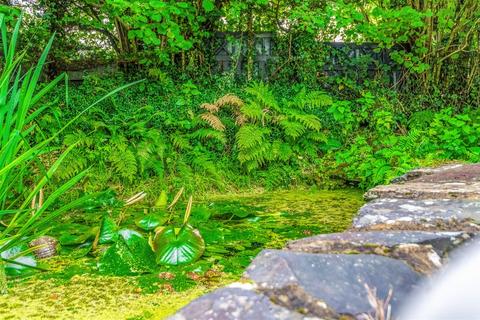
x=74 y=290
x=95 y=297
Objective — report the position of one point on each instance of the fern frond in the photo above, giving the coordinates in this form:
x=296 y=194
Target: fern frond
x=249 y=136
x=262 y=93
x=308 y=120
x=204 y=133
x=317 y=137
x=180 y=142
x=292 y=129
x=240 y=119
x=310 y=100
x=229 y=100
x=73 y=165
x=124 y=163
x=209 y=107
x=213 y=121
x=281 y=151
x=252 y=111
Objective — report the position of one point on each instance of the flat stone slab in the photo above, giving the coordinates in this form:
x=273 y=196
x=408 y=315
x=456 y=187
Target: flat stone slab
x=235 y=304
x=445 y=214
x=442 y=174
x=426 y=190
x=441 y=242
x=423 y=251
x=421 y=172
x=320 y=283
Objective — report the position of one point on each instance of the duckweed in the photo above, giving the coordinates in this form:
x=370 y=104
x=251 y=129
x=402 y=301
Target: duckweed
x=239 y=228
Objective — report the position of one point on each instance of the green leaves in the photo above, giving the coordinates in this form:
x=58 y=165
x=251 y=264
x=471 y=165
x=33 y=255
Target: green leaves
x=208 y=5
x=131 y=254
x=108 y=231
x=150 y=221
x=18 y=262
x=178 y=246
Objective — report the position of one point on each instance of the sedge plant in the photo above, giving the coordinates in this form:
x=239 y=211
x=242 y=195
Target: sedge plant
x=23 y=175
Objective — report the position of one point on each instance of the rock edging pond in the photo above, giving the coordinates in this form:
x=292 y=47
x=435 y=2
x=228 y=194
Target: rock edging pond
x=403 y=235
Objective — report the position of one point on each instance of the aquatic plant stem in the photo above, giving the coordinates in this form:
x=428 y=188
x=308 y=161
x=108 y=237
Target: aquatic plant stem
x=3 y=278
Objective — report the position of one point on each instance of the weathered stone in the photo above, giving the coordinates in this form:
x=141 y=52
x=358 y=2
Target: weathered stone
x=459 y=173
x=336 y=281
x=235 y=303
x=440 y=214
x=423 y=251
x=426 y=190
x=422 y=172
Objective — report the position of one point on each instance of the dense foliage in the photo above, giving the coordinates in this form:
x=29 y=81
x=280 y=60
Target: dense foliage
x=257 y=135
x=318 y=116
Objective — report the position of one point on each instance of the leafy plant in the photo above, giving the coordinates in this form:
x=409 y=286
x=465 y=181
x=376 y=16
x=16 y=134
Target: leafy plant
x=23 y=172
x=177 y=246
x=130 y=254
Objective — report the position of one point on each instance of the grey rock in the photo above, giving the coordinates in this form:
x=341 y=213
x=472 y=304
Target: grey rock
x=422 y=172
x=459 y=173
x=235 y=304
x=423 y=251
x=325 y=243
x=426 y=190
x=334 y=281
x=384 y=212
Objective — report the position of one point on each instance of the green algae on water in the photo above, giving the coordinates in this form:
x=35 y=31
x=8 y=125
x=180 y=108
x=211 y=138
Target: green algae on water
x=235 y=228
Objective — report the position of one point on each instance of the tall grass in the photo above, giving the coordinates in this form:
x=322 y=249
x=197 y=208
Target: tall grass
x=19 y=95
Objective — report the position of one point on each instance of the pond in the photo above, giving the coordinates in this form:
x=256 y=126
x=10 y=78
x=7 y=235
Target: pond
x=243 y=225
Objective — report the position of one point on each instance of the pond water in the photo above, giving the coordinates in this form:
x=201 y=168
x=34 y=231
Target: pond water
x=239 y=228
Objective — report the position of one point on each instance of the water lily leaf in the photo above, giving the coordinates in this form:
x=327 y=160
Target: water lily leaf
x=150 y=221
x=200 y=213
x=130 y=255
x=67 y=239
x=232 y=210
x=105 y=199
x=108 y=231
x=25 y=263
x=82 y=250
x=178 y=246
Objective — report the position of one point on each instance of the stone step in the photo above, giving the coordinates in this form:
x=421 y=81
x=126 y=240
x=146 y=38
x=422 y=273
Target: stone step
x=423 y=251
x=426 y=190
x=442 y=174
x=404 y=214
x=447 y=173
x=328 y=285
x=460 y=181
x=235 y=303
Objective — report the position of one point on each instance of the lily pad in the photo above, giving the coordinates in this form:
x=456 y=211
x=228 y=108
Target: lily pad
x=177 y=246
x=108 y=231
x=200 y=214
x=232 y=210
x=24 y=265
x=67 y=239
x=150 y=221
x=131 y=254
x=106 y=199
x=82 y=250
